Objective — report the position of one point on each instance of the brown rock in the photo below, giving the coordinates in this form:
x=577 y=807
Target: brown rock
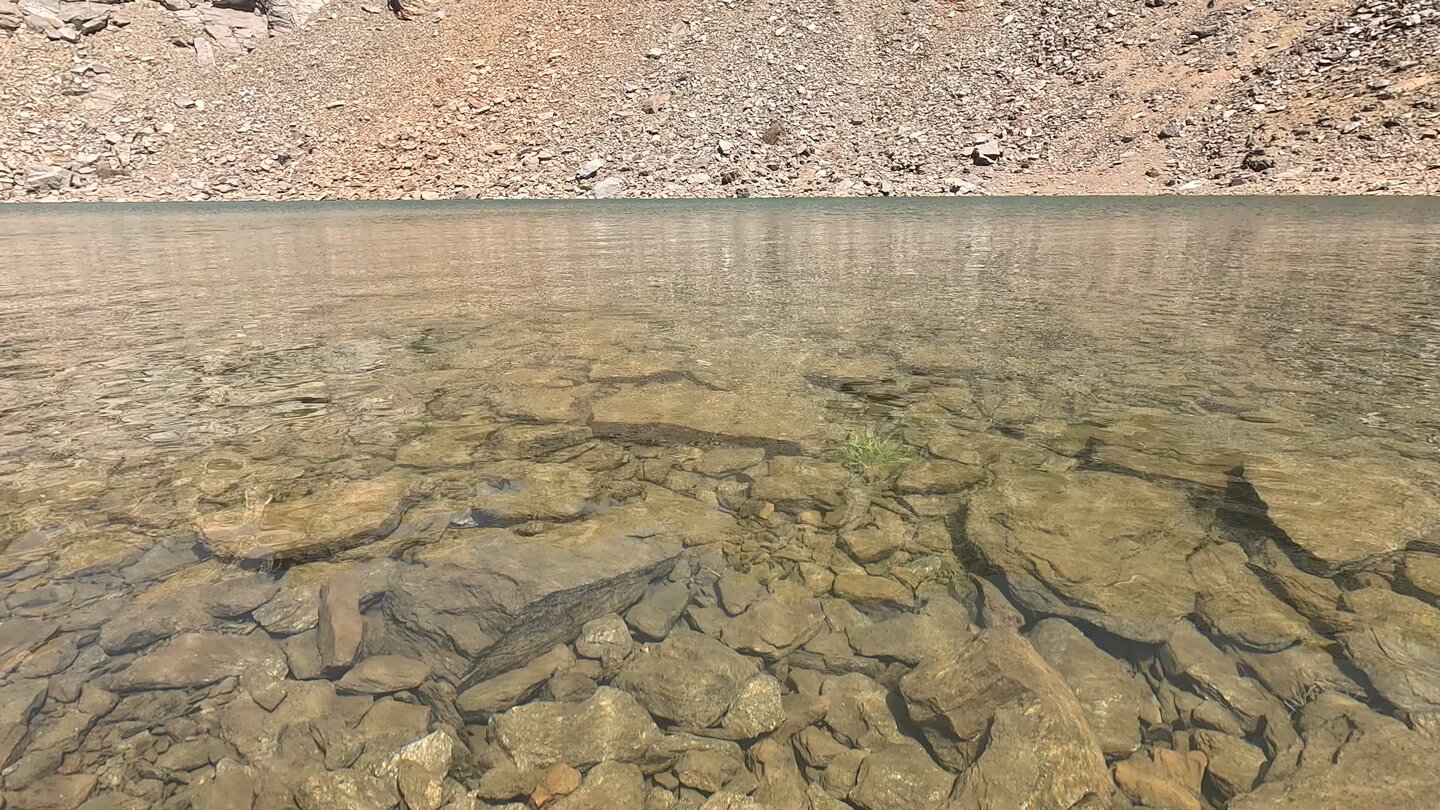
x=555 y=781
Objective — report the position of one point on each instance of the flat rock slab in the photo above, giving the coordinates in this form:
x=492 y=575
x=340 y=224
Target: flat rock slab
x=1109 y=549
x=383 y=674
x=496 y=600
x=682 y=410
x=199 y=659
x=317 y=525
x=1341 y=513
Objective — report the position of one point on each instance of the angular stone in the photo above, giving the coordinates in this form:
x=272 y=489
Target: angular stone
x=347 y=790
x=313 y=526
x=610 y=725
x=1237 y=605
x=1160 y=777
x=200 y=659
x=728 y=460
x=757 y=708
x=1298 y=673
x=706 y=771
x=1396 y=641
x=1190 y=656
x=607 y=785
x=513 y=687
x=231 y=788
x=796 y=484
x=774 y=626
x=58 y=792
x=1108 y=549
x=909 y=638
x=1342 y=512
x=383 y=674
x=737 y=591
x=1040 y=750
x=420 y=789
x=478 y=609
x=689 y=678
x=18 y=703
x=902 y=777
x=866 y=589
x=654 y=614
x=859 y=712
x=1113 y=698
x=871 y=544
x=606 y=639
x=339 y=624
x=1233 y=765
x=433 y=753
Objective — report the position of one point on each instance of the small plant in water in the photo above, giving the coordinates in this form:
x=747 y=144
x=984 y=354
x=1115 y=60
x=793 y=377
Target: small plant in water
x=867 y=449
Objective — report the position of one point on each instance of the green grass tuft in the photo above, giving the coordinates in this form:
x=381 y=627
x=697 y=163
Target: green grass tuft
x=866 y=449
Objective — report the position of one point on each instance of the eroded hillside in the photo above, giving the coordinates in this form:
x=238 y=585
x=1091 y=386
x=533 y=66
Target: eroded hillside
x=713 y=98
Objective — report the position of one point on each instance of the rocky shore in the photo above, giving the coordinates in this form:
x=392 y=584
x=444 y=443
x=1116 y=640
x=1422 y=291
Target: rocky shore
x=300 y=99
x=666 y=590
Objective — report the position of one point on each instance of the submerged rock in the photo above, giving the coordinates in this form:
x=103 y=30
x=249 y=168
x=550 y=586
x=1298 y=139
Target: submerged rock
x=1346 y=748
x=499 y=600
x=1340 y=513
x=309 y=527
x=1107 y=549
x=997 y=692
x=200 y=659
x=610 y=725
x=1113 y=698
x=1396 y=642
x=689 y=678
x=901 y=777
x=683 y=411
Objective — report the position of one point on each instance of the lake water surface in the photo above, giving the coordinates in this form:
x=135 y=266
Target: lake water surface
x=882 y=505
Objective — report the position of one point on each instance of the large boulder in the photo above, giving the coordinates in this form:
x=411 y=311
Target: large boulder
x=608 y=726
x=475 y=610
x=689 y=679
x=994 y=710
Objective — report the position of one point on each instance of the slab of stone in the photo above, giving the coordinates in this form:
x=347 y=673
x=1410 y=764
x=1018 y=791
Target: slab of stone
x=310 y=527
x=1160 y=777
x=1396 y=642
x=798 y=483
x=200 y=659
x=339 y=625
x=513 y=687
x=776 y=625
x=384 y=674
x=1116 y=702
x=1107 y=549
x=727 y=460
x=19 y=701
x=517 y=491
x=902 y=777
x=737 y=590
x=498 y=600
x=683 y=411
x=859 y=712
x=658 y=609
x=1343 y=512
x=872 y=590
x=611 y=725
x=1233 y=766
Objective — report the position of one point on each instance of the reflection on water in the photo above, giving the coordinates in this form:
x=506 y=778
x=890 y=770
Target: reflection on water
x=399 y=467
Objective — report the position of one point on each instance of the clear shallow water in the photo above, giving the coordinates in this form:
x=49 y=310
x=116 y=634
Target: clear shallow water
x=1133 y=415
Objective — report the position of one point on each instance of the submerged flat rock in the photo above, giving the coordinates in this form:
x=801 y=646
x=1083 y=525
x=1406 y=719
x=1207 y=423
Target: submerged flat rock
x=1109 y=549
x=1342 y=513
x=334 y=519
x=652 y=411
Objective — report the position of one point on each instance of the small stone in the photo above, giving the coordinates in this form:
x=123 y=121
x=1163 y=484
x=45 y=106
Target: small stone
x=901 y=777
x=606 y=639
x=420 y=789
x=706 y=771
x=757 y=709
x=607 y=188
x=654 y=614
x=589 y=169
x=864 y=588
x=738 y=591
x=340 y=624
